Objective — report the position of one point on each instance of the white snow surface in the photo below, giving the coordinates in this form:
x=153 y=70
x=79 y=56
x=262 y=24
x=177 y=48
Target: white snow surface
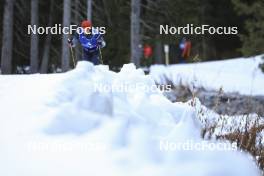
x=241 y=75
x=60 y=125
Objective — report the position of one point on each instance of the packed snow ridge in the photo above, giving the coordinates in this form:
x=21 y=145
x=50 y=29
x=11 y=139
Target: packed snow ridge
x=65 y=124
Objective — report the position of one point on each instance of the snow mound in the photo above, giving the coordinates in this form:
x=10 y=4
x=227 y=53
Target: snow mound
x=86 y=124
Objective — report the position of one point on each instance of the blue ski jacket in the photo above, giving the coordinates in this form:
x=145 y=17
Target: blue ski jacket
x=91 y=43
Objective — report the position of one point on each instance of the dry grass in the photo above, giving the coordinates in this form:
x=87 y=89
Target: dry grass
x=246 y=135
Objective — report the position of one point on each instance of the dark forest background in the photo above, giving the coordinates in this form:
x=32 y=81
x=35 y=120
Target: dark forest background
x=128 y=24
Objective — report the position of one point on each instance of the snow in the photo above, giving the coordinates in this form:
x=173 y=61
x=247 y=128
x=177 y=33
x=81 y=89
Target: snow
x=235 y=75
x=63 y=124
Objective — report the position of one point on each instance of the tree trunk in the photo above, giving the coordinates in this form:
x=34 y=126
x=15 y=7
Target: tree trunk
x=89 y=10
x=46 y=52
x=76 y=11
x=204 y=40
x=78 y=49
x=7 y=43
x=34 y=61
x=135 y=32
x=65 y=62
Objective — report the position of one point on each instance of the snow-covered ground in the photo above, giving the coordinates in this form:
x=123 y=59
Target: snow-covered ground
x=236 y=75
x=71 y=124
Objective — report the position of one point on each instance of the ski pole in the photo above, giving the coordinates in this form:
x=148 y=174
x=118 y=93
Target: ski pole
x=73 y=59
x=101 y=57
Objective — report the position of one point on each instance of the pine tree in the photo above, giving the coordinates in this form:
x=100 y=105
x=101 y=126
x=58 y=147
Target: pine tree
x=253 y=38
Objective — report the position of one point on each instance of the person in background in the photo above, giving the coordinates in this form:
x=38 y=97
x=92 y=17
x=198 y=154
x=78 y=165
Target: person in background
x=91 y=42
x=148 y=52
x=185 y=50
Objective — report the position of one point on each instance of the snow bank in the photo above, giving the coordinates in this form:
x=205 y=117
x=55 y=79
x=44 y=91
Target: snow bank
x=67 y=124
x=235 y=75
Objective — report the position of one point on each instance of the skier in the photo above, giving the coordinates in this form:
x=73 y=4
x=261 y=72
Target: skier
x=91 y=42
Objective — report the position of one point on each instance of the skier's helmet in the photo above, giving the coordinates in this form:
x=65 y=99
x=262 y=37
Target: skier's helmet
x=86 y=24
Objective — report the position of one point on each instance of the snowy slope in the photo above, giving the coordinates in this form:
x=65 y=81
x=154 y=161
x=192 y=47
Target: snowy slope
x=62 y=124
x=235 y=75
